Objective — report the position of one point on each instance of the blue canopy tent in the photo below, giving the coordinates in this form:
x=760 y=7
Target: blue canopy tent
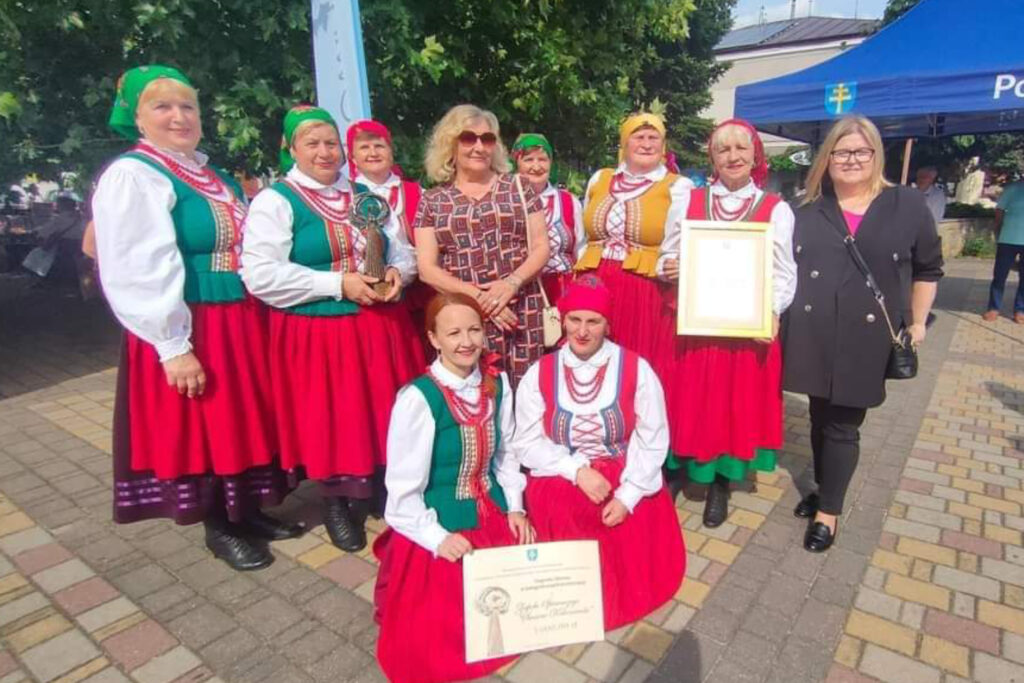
x=946 y=67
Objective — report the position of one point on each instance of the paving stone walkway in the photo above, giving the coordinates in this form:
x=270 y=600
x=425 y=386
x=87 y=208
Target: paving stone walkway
x=926 y=582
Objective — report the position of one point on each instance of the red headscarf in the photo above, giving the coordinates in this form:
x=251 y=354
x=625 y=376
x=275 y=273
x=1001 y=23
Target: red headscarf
x=375 y=128
x=588 y=293
x=759 y=174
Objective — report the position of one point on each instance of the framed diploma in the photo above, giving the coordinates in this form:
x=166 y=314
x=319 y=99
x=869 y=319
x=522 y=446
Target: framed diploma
x=725 y=279
x=529 y=597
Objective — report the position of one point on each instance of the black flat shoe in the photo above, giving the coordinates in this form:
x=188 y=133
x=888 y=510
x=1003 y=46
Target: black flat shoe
x=239 y=553
x=344 y=525
x=270 y=529
x=818 y=538
x=808 y=507
x=716 y=505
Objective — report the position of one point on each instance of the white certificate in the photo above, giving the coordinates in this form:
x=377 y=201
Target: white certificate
x=725 y=279
x=530 y=597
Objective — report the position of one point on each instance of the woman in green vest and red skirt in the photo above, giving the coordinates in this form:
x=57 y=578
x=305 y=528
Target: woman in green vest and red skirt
x=563 y=213
x=453 y=485
x=194 y=435
x=339 y=349
x=725 y=395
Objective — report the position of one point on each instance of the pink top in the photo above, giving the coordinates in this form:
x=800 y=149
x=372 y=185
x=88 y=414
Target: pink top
x=853 y=221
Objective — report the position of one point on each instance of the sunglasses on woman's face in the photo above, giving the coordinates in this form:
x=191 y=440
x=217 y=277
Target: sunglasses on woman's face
x=469 y=138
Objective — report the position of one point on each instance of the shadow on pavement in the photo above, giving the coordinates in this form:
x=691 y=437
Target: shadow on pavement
x=48 y=335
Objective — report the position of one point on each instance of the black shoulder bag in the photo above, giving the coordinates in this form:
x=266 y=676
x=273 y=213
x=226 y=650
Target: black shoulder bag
x=903 y=356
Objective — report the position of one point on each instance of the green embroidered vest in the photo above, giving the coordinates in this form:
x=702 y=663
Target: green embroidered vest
x=448 y=489
x=319 y=246
x=205 y=239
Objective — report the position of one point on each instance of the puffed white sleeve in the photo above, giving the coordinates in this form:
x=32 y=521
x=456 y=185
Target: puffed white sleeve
x=401 y=254
x=410 y=448
x=648 y=446
x=506 y=464
x=673 y=226
x=266 y=269
x=784 y=264
x=141 y=268
x=535 y=450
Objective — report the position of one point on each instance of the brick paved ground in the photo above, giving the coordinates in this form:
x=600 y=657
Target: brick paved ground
x=925 y=582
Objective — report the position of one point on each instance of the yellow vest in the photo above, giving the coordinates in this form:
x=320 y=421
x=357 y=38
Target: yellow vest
x=645 y=224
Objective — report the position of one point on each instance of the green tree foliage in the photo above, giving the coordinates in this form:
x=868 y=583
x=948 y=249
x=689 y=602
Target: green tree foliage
x=570 y=68
x=896 y=9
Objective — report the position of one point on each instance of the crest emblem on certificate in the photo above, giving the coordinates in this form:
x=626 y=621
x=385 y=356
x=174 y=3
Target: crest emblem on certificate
x=368 y=214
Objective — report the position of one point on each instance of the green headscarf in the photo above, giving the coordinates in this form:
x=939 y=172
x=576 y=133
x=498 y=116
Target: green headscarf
x=129 y=89
x=529 y=141
x=295 y=117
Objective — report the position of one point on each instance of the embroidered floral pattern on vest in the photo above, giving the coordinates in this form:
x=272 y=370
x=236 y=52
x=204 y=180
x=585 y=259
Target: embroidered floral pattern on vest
x=479 y=441
x=347 y=244
x=227 y=209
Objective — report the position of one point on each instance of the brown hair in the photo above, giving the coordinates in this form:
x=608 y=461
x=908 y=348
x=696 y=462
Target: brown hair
x=442 y=300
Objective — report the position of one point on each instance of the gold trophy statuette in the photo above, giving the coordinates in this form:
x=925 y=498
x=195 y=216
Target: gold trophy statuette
x=368 y=214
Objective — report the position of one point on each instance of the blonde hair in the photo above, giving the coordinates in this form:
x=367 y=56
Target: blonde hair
x=162 y=86
x=848 y=125
x=439 y=159
x=730 y=132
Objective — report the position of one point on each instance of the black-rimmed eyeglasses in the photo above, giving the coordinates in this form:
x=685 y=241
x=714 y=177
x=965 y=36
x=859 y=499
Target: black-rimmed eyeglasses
x=845 y=156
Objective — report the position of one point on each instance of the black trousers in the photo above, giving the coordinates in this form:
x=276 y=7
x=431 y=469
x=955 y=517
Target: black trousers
x=835 y=442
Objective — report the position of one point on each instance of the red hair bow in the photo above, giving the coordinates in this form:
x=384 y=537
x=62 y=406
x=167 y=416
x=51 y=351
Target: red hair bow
x=489 y=364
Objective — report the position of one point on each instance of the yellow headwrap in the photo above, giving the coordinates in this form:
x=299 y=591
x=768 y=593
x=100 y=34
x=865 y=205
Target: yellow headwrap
x=635 y=123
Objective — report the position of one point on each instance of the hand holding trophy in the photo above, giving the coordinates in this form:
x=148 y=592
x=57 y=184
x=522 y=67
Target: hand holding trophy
x=368 y=214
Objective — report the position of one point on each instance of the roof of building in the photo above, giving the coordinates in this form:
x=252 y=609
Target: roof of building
x=794 y=31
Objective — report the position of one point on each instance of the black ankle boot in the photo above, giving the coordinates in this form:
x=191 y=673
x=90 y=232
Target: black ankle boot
x=226 y=543
x=266 y=527
x=344 y=521
x=716 y=505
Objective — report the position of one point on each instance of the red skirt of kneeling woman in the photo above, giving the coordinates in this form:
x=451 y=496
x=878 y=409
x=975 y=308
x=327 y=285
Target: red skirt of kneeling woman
x=643 y=559
x=419 y=606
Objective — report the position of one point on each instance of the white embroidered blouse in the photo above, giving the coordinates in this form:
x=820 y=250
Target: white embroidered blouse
x=648 y=444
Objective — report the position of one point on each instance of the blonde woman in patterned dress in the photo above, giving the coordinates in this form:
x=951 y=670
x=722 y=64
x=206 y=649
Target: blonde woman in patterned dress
x=481 y=232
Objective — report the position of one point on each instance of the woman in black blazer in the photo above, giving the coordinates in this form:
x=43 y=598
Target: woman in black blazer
x=835 y=339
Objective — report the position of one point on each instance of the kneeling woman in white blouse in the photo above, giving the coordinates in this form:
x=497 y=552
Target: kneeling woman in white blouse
x=453 y=486
x=593 y=433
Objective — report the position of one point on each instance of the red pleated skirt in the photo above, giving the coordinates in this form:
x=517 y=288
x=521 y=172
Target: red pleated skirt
x=227 y=430
x=419 y=607
x=724 y=397
x=643 y=560
x=637 y=312
x=335 y=380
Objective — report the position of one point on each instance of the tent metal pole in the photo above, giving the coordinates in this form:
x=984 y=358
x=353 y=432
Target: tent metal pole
x=908 y=146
